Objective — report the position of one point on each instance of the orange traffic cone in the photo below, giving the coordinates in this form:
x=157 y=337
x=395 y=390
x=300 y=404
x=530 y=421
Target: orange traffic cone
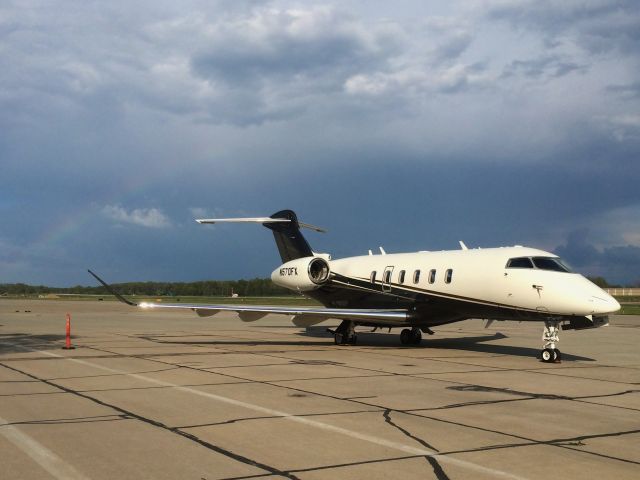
x=68 y=345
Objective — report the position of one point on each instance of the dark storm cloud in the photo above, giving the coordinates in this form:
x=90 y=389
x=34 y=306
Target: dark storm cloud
x=447 y=38
x=631 y=90
x=599 y=26
x=543 y=67
x=121 y=121
x=318 y=42
x=618 y=264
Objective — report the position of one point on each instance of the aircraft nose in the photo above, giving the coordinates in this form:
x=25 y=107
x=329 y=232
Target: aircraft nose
x=604 y=303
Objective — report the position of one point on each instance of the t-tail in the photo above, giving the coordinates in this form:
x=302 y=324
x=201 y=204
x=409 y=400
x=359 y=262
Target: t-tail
x=286 y=232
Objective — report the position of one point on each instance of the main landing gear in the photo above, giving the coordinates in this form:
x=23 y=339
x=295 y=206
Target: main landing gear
x=345 y=334
x=411 y=336
x=550 y=337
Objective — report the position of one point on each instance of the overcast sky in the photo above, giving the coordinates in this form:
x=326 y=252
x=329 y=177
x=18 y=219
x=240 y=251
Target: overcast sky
x=406 y=124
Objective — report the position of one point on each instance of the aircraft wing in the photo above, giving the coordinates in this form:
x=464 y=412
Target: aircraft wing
x=303 y=316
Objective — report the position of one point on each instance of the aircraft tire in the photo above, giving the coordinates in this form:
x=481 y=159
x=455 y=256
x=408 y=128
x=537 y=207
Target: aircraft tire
x=405 y=336
x=416 y=337
x=547 y=355
x=557 y=356
x=337 y=338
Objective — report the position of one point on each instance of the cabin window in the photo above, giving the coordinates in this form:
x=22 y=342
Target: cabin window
x=416 y=276
x=373 y=277
x=432 y=276
x=448 y=276
x=387 y=276
x=550 y=263
x=522 y=262
x=401 y=277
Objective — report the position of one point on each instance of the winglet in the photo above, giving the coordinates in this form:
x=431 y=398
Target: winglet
x=112 y=291
x=462 y=245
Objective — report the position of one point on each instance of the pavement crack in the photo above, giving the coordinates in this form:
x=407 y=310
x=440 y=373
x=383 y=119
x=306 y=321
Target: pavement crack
x=387 y=418
x=155 y=423
x=437 y=468
x=61 y=421
x=568 y=443
x=579 y=440
x=506 y=391
x=589 y=397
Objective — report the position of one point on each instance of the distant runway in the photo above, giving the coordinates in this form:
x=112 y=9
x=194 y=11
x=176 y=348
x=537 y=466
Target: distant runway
x=171 y=395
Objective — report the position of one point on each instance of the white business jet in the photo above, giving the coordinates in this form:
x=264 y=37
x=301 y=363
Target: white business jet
x=417 y=291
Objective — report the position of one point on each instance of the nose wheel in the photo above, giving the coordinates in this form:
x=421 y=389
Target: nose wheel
x=550 y=336
x=550 y=355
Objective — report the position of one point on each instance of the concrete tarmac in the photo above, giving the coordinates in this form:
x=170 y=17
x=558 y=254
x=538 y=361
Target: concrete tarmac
x=148 y=394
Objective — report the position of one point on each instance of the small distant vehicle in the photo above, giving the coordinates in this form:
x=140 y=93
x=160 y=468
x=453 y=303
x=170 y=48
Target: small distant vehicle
x=421 y=290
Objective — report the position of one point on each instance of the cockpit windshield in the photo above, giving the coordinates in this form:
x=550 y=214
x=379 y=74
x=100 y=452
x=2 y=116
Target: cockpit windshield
x=550 y=263
x=542 y=263
x=521 y=262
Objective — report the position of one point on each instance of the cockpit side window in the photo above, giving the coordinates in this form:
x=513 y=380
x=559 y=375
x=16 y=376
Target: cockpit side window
x=521 y=262
x=550 y=263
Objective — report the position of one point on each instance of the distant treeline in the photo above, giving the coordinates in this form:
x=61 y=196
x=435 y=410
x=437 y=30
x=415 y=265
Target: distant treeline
x=257 y=287
x=602 y=283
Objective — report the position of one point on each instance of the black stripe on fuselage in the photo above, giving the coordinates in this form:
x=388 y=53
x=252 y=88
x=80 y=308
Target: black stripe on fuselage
x=425 y=305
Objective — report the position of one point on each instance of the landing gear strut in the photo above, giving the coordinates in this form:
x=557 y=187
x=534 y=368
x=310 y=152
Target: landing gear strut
x=345 y=334
x=410 y=336
x=550 y=337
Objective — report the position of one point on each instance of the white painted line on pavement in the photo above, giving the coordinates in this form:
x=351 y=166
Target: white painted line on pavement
x=301 y=420
x=40 y=454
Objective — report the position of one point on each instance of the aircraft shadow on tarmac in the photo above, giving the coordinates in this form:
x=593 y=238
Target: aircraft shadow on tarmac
x=23 y=342
x=473 y=344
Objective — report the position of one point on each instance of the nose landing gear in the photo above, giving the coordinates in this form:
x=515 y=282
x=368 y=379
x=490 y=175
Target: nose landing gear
x=550 y=336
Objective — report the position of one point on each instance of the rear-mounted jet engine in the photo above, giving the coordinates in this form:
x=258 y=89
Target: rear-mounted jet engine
x=303 y=274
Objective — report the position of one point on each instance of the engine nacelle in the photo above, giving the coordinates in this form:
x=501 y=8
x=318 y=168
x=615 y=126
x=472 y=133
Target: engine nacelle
x=302 y=274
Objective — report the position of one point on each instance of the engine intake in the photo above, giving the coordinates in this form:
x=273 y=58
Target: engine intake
x=318 y=271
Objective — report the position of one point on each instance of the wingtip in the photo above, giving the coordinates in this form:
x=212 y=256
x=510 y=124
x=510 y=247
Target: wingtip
x=110 y=289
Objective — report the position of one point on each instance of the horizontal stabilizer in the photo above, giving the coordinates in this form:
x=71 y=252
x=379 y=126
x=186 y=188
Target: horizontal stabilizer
x=286 y=232
x=262 y=220
x=242 y=220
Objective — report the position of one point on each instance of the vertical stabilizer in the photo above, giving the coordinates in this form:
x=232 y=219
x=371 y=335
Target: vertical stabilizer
x=289 y=240
x=286 y=230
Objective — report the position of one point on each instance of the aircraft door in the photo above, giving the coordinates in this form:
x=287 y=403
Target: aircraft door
x=522 y=289
x=386 y=279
